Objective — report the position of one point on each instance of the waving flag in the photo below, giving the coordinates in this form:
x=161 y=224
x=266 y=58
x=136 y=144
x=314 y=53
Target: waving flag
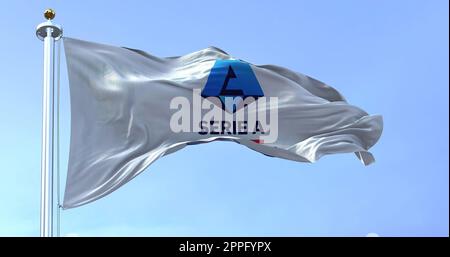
x=130 y=108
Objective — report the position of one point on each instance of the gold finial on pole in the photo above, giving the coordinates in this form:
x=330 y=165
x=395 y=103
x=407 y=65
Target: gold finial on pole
x=56 y=30
x=49 y=14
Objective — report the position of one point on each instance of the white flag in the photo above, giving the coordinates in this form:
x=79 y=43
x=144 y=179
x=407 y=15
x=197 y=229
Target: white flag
x=130 y=108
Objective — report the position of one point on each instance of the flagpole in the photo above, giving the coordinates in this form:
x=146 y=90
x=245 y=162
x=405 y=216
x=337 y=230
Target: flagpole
x=49 y=33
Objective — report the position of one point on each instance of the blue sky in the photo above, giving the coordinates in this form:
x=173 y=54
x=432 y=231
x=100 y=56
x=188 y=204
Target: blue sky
x=387 y=57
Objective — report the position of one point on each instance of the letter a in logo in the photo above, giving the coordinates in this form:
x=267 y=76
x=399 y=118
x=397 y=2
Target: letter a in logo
x=232 y=78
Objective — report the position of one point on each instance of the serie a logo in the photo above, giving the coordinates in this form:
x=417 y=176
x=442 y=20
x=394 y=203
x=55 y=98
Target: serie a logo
x=234 y=103
x=232 y=79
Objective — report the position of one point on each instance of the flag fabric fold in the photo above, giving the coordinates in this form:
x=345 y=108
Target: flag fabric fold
x=121 y=113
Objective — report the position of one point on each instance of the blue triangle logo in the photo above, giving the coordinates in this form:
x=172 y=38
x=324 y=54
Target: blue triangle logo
x=232 y=78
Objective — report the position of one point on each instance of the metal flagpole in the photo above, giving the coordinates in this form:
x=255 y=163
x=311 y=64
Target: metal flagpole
x=49 y=33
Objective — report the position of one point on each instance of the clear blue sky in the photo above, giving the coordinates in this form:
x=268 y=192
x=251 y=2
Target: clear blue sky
x=388 y=57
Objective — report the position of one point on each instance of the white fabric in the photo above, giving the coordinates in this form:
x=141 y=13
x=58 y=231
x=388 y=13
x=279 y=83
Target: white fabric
x=120 y=115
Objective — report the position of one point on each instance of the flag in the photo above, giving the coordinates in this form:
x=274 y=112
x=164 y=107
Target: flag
x=129 y=108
